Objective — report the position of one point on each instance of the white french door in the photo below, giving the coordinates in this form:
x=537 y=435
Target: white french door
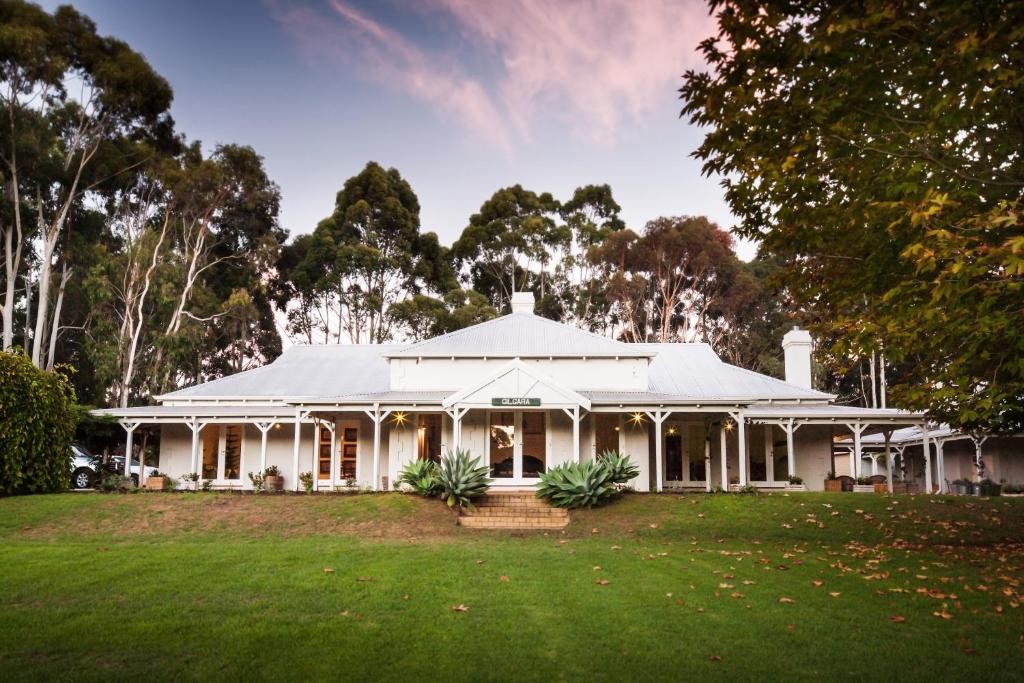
x=517 y=446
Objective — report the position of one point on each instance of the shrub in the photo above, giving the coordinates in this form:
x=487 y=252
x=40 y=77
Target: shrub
x=620 y=468
x=462 y=478
x=115 y=483
x=864 y=481
x=795 y=480
x=37 y=425
x=830 y=476
x=272 y=471
x=573 y=485
x=747 y=489
x=306 y=479
x=422 y=477
x=257 y=481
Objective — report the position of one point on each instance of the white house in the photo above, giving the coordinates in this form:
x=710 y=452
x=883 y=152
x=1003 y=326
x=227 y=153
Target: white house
x=521 y=392
x=957 y=455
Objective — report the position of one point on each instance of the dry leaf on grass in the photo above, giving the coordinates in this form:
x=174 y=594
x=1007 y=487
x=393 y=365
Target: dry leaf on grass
x=786 y=600
x=897 y=619
x=328 y=570
x=504 y=578
x=460 y=608
x=602 y=582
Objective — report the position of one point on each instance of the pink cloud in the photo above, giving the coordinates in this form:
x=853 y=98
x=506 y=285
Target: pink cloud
x=383 y=54
x=598 y=62
x=590 y=64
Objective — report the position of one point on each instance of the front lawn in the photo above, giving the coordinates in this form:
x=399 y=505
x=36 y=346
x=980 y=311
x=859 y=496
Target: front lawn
x=667 y=587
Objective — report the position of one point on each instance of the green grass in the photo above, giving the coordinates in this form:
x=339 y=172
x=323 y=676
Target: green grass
x=202 y=586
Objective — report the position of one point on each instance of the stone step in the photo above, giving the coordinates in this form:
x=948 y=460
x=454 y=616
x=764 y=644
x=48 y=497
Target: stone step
x=513 y=522
x=514 y=512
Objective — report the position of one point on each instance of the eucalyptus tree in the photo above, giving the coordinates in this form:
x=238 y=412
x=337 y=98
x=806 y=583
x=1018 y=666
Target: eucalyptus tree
x=509 y=244
x=342 y=280
x=68 y=96
x=663 y=284
x=875 y=150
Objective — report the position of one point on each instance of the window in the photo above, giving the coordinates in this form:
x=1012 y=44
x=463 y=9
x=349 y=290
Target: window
x=232 y=452
x=323 y=452
x=428 y=437
x=695 y=451
x=606 y=433
x=535 y=444
x=673 y=454
x=211 y=440
x=502 y=436
x=349 y=446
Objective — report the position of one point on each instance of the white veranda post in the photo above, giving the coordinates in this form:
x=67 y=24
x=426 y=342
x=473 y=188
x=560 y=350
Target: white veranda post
x=790 y=427
x=979 y=464
x=940 y=464
x=888 y=459
x=658 y=417
x=457 y=414
x=855 y=455
x=378 y=416
x=707 y=457
x=300 y=415
x=130 y=427
x=264 y=427
x=741 y=437
x=574 y=415
x=196 y=426
x=723 y=456
x=926 y=443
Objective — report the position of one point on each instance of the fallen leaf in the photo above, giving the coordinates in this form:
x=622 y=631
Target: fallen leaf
x=737 y=594
x=602 y=582
x=365 y=579
x=834 y=594
x=897 y=619
x=715 y=658
x=460 y=608
x=817 y=584
x=597 y=567
x=479 y=561
x=328 y=570
x=504 y=578
x=943 y=615
x=786 y=600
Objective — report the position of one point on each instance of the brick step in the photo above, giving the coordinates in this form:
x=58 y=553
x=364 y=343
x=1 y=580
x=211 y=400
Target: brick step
x=519 y=505
x=513 y=522
x=512 y=512
x=510 y=500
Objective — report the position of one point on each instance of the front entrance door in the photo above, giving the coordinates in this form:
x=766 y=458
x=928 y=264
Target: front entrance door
x=517 y=446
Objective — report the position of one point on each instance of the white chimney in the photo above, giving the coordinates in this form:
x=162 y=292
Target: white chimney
x=522 y=302
x=796 y=344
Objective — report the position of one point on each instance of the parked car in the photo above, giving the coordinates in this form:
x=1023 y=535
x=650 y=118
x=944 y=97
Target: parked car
x=86 y=468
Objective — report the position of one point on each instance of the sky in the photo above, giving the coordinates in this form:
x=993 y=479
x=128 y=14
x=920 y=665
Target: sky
x=463 y=97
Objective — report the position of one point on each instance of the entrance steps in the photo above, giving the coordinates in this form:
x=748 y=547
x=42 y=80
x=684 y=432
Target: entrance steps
x=513 y=510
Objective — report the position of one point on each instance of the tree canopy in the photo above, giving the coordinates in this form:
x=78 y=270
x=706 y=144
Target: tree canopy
x=875 y=151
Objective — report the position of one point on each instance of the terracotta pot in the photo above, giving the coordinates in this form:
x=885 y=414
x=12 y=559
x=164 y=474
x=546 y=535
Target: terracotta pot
x=272 y=483
x=833 y=485
x=901 y=487
x=156 y=483
x=881 y=488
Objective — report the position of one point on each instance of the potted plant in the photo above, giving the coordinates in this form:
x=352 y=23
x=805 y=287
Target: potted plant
x=961 y=487
x=272 y=479
x=190 y=480
x=863 y=485
x=795 y=483
x=832 y=482
x=1013 y=490
x=987 y=487
x=306 y=479
x=158 y=481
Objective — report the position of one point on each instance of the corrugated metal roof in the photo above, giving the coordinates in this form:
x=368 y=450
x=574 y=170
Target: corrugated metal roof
x=831 y=412
x=339 y=373
x=522 y=335
x=304 y=371
x=695 y=370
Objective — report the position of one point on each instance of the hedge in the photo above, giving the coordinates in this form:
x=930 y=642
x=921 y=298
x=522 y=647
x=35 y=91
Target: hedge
x=37 y=425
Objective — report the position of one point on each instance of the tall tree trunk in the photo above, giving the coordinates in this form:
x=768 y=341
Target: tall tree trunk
x=55 y=327
x=13 y=242
x=133 y=346
x=874 y=382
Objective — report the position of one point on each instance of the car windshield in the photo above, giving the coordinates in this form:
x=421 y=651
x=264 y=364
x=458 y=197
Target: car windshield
x=82 y=451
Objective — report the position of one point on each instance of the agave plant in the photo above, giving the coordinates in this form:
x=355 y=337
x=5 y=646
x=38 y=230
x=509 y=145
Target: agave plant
x=422 y=476
x=620 y=468
x=462 y=478
x=574 y=485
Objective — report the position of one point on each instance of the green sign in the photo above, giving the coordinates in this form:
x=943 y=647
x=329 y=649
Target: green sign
x=515 y=402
